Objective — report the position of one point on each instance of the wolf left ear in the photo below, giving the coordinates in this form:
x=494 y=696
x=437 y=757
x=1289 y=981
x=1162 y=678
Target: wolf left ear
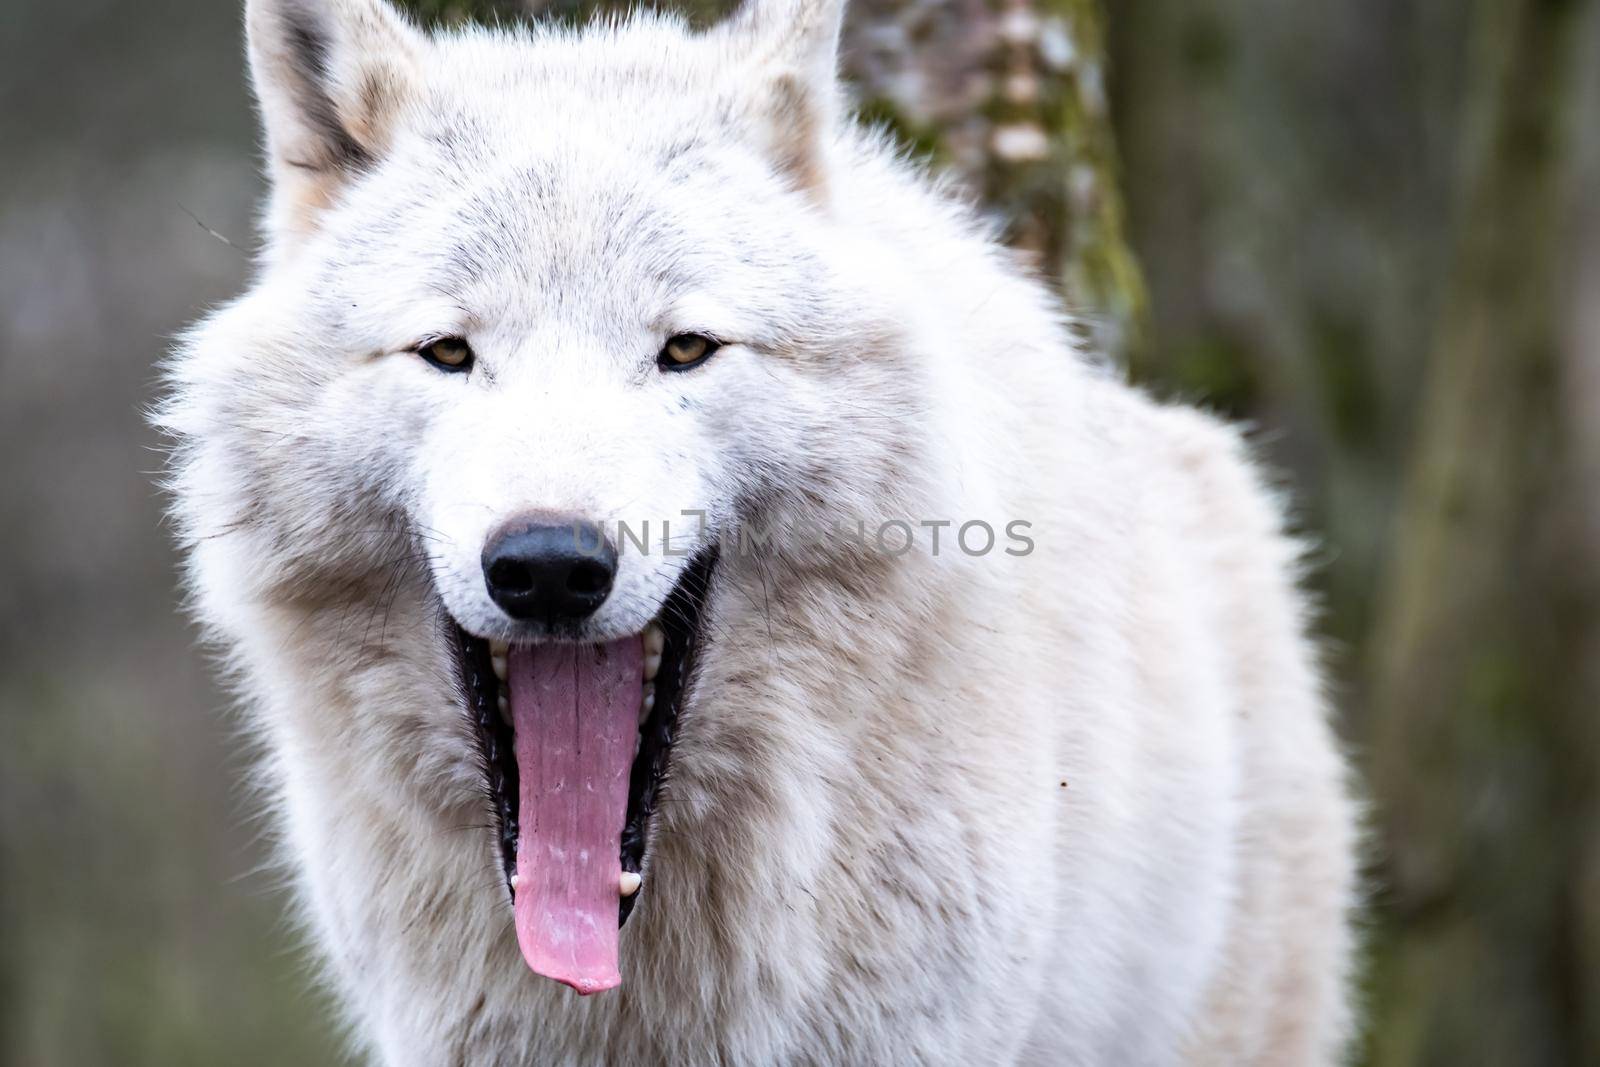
x=333 y=78
x=790 y=51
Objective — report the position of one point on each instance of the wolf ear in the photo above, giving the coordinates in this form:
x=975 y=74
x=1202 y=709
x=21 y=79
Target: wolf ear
x=332 y=78
x=790 y=49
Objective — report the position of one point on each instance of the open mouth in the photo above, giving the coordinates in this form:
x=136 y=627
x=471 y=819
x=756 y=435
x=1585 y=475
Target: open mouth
x=575 y=741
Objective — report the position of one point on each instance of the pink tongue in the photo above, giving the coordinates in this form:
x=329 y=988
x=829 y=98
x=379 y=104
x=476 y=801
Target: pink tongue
x=576 y=710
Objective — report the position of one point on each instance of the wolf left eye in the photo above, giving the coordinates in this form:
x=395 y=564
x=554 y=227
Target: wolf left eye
x=448 y=354
x=686 y=350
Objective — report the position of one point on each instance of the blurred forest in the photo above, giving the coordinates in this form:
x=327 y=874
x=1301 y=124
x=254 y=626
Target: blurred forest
x=1370 y=228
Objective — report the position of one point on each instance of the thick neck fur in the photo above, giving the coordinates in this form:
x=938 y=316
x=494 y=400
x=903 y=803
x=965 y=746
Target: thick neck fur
x=782 y=797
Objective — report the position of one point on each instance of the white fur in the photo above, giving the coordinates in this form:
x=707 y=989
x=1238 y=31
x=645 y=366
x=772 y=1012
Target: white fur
x=1079 y=806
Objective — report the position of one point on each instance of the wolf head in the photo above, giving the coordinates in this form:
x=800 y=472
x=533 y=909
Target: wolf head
x=542 y=316
x=569 y=211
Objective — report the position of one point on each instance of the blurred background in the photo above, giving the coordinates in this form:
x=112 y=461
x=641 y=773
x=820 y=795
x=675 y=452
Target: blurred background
x=1371 y=228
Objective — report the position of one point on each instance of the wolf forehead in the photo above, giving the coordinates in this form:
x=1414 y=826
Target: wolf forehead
x=610 y=136
x=628 y=234
x=648 y=79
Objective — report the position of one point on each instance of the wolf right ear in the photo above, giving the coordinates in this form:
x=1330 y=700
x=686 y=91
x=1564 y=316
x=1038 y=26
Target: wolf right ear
x=333 y=78
x=793 y=46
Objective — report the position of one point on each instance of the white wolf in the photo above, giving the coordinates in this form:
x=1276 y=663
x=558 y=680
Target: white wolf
x=1058 y=791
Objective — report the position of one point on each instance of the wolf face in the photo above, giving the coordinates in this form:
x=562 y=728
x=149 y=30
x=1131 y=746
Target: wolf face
x=475 y=192
x=542 y=319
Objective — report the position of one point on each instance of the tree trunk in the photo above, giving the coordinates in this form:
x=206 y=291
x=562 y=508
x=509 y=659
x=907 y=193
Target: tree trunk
x=1483 y=714
x=1011 y=97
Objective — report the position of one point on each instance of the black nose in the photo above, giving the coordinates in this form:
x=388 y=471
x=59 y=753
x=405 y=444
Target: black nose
x=549 y=573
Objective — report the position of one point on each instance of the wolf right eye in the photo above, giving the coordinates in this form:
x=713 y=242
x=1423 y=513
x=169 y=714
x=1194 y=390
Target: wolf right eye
x=450 y=354
x=686 y=350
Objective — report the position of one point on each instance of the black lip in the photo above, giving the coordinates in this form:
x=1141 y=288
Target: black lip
x=680 y=620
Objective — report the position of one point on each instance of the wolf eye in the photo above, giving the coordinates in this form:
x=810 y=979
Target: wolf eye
x=686 y=350
x=448 y=354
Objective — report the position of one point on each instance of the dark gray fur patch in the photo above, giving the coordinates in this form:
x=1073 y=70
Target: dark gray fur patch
x=309 y=55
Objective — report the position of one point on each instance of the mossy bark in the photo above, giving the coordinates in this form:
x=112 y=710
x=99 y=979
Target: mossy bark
x=1071 y=206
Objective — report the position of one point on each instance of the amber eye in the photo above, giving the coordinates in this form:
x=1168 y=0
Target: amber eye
x=686 y=350
x=448 y=354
